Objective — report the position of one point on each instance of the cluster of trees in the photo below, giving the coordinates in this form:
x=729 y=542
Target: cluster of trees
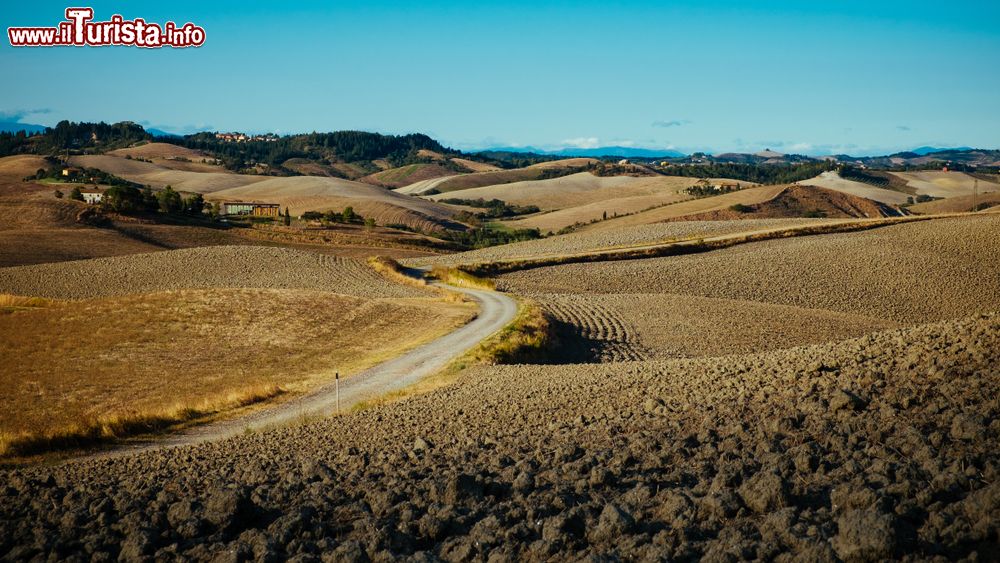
x=483 y=236
x=84 y=176
x=129 y=200
x=68 y=135
x=492 y=208
x=759 y=173
x=345 y=146
x=858 y=175
x=347 y=216
x=707 y=190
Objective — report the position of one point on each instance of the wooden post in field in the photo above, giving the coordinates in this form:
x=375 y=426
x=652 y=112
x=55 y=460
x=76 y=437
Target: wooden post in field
x=336 y=378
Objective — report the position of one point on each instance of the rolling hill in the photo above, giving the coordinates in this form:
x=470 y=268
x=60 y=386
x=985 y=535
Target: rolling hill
x=309 y=193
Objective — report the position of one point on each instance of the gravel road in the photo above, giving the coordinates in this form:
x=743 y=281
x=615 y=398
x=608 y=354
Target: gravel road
x=496 y=310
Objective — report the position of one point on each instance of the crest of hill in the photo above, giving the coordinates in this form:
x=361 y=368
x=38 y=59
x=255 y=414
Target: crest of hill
x=474 y=166
x=309 y=193
x=959 y=204
x=748 y=196
x=14 y=168
x=832 y=181
x=535 y=172
x=945 y=184
x=621 y=194
x=801 y=201
x=158 y=150
x=406 y=175
x=159 y=176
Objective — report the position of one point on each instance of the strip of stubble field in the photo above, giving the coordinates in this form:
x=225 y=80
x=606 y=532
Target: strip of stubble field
x=496 y=310
x=689 y=246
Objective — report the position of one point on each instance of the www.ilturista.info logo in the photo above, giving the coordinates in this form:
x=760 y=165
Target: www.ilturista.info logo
x=78 y=30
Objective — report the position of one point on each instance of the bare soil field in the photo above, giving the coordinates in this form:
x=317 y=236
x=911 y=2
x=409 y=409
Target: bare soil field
x=615 y=327
x=833 y=181
x=112 y=358
x=944 y=184
x=910 y=273
x=580 y=242
x=201 y=268
x=875 y=448
x=406 y=175
x=39 y=246
x=308 y=193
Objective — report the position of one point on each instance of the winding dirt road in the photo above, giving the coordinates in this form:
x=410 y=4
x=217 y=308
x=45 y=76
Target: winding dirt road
x=495 y=311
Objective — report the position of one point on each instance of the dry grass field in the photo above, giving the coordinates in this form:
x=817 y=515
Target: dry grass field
x=406 y=175
x=833 y=181
x=255 y=267
x=474 y=166
x=158 y=175
x=72 y=365
x=957 y=204
x=802 y=201
x=583 y=188
x=944 y=184
x=750 y=196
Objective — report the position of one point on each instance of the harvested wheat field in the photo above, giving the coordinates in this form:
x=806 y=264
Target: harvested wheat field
x=868 y=449
x=202 y=268
x=153 y=355
x=481 y=179
x=832 y=181
x=909 y=273
x=944 y=184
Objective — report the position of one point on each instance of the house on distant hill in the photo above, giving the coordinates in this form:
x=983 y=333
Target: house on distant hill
x=71 y=172
x=92 y=195
x=251 y=209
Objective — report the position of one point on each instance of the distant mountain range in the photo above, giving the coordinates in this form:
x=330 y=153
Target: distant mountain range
x=597 y=152
x=916 y=157
x=14 y=127
x=924 y=151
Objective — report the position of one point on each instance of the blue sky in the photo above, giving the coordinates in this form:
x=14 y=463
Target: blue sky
x=811 y=77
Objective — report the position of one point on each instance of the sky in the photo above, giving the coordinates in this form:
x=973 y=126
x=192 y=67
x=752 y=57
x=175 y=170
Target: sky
x=806 y=77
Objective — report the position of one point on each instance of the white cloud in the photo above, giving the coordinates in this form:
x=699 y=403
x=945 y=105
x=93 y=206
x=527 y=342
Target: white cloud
x=582 y=142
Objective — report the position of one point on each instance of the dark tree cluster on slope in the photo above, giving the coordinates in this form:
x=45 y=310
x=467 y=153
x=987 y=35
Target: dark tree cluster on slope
x=346 y=146
x=67 y=135
x=761 y=174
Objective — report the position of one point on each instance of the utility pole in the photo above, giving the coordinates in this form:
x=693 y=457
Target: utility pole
x=336 y=378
